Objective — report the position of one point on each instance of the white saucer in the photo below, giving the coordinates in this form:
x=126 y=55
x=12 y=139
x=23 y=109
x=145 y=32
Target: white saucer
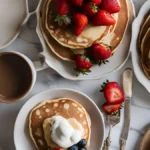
x=21 y=135
x=145 y=9
x=13 y=14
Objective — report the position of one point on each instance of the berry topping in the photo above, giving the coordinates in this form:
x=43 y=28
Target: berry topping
x=96 y=2
x=74 y=147
x=82 y=143
x=103 y=17
x=83 y=64
x=80 y=20
x=77 y=3
x=62 y=20
x=57 y=149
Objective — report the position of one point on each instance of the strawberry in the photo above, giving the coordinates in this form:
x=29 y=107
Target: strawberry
x=80 y=20
x=113 y=93
x=63 y=21
x=90 y=9
x=110 y=108
x=83 y=64
x=103 y=17
x=56 y=148
x=63 y=7
x=77 y=3
x=96 y=2
x=111 y=6
x=101 y=52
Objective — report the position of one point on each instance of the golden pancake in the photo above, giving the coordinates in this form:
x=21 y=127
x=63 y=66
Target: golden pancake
x=62 y=52
x=147 y=73
x=145 y=50
x=66 y=37
x=144 y=29
x=40 y=116
x=114 y=39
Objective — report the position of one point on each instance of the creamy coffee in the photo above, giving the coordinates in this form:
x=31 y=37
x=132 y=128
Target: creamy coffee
x=15 y=77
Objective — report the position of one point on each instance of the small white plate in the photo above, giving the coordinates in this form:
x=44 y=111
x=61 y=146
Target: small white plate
x=145 y=9
x=13 y=14
x=65 y=69
x=22 y=139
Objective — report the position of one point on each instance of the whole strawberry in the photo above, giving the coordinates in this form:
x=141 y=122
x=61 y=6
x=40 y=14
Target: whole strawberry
x=90 y=9
x=103 y=18
x=96 y=2
x=63 y=7
x=77 y=3
x=101 y=52
x=83 y=65
x=111 y=6
x=80 y=21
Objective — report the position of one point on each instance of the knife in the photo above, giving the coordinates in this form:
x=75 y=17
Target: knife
x=127 y=86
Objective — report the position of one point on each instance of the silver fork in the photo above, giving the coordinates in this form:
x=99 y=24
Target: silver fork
x=113 y=120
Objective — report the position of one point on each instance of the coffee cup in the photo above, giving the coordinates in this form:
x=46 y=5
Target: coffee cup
x=17 y=76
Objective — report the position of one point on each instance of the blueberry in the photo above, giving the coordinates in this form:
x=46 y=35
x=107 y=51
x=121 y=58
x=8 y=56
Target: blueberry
x=82 y=143
x=83 y=148
x=74 y=147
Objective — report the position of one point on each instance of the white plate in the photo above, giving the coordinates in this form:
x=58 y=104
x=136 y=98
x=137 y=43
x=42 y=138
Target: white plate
x=13 y=14
x=65 y=69
x=21 y=135
x=134 y=46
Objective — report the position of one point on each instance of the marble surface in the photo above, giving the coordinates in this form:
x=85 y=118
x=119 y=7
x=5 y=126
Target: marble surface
x=28 y=43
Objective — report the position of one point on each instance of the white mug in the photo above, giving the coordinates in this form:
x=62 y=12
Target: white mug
x=33 y=66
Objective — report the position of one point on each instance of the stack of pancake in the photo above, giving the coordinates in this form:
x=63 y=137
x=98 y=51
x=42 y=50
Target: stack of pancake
x=40 y=121
x=144 y=46
x=63 y=42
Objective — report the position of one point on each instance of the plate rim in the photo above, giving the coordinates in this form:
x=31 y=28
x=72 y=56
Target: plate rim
x=60 y=89
x=134 y=51
x=13 y=38
x=80 y=78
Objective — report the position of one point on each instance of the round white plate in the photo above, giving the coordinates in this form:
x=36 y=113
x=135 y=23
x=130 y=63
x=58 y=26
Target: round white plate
x=13 y=14
x=145 y=9
x=66 y=70
x=22 y=139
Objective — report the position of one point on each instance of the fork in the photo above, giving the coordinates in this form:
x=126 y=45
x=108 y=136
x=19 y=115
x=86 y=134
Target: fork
x=112 y=120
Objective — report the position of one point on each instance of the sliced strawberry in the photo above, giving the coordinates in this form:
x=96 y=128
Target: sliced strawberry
x=103 y=18
x=113 y=93
x=111 y=6
x=110 y=108
x=63 y=7
x=101 y=52
x=83 y=65
x=80 y=20
x=90 y=9
x=96 y=2
x=78 y=3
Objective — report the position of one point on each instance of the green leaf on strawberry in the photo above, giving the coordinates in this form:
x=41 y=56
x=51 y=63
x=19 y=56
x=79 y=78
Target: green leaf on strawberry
x=61 y=20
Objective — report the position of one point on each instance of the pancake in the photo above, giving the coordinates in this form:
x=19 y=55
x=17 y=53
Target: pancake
x=145 y=50
x=114 y=39
x=144 y=29
x=62 y=52
x=147 y=73
x=42 y=113
x=66 y=37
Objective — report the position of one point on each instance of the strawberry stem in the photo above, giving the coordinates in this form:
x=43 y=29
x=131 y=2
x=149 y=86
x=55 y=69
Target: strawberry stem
x=81 y=71
x=103 y=85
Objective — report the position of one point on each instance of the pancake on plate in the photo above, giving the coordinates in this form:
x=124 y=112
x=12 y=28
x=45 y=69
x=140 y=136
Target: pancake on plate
x=144 y=46
x=144 y=29
x=66 y=37
x=59 y=123
x=62 y=52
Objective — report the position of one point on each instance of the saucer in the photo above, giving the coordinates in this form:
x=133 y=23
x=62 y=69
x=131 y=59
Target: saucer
x=22 y=138
x=13 y=14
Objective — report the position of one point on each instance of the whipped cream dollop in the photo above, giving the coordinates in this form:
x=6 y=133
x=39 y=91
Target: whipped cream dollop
x=63 y=134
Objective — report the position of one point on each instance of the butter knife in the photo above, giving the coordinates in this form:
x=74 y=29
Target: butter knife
x=127 y=86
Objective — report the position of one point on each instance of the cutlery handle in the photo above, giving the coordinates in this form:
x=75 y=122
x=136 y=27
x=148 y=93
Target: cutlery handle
x=122 y=144
x=107 y=142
